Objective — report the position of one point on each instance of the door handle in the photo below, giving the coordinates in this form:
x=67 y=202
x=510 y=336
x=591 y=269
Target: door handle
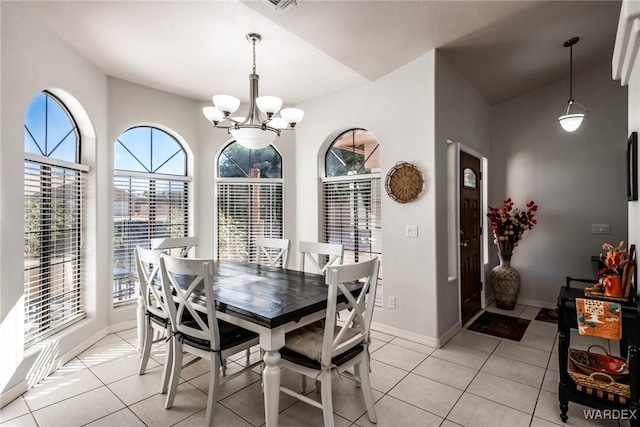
x=464 y=244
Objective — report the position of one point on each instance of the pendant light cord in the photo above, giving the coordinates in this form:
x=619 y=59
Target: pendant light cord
x=570 y=73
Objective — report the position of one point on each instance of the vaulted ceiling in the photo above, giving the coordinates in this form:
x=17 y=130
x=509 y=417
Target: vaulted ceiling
x=198 y=48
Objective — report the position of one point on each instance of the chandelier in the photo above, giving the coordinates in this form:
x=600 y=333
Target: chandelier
x=259 y=128
x=572 y=114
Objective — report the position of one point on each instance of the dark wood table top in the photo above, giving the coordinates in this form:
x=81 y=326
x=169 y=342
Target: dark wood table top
x=269 y=296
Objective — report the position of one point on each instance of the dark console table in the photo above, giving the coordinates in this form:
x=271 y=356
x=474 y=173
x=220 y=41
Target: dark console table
x=567 y=391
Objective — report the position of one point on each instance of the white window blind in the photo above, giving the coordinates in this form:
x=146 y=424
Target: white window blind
x=145 y=207
x=54 y=267
x=352 y=216
x=246 y=209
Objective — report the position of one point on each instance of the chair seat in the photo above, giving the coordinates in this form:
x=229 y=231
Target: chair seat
x=230 y=336
x=304 y=346
x=162 y=321
x=299 y=359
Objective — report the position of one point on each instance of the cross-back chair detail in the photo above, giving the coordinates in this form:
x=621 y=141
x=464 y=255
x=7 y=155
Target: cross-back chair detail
x=334 y=252
x=273 y=252
x=321 y=348
x=156 y=311
x=195 y=327
x=167 y=244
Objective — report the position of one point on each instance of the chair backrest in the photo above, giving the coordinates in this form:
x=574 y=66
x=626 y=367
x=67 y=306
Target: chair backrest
x=153 y=295
x=190 y=278
x=355 y=329
x=273 y=252
x=184 y=244
x=333 y=251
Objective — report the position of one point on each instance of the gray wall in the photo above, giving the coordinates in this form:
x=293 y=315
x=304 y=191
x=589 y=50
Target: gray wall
x=462 y=115
x=577 y=179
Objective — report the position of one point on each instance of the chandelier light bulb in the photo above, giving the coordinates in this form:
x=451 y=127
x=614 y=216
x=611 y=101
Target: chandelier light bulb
x=293 y=116
x=226 y=103
x=213 y=114
x=269 y=104
x=278 y=123
x=254 y=138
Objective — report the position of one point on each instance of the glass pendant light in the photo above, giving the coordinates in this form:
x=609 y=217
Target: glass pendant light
x=572 y=114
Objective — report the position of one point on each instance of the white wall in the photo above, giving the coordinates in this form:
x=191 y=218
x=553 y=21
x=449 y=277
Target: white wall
x=462 y=115
x=399 y=110
x=33 y=59
x=634 y=126
x=577 y=179
x=131 y=105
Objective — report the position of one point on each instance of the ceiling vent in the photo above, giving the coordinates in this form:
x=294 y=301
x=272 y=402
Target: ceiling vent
x=281 y=5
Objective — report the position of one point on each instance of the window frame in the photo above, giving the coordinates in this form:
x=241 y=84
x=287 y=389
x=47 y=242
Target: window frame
x=352 y=176
x=127 y=279
x=275 y=185
x=60 y=283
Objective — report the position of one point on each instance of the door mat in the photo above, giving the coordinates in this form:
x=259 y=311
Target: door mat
x=548 y=315
x=499 y=325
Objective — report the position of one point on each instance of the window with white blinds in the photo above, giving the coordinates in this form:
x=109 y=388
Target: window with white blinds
x=351 y=198
x=146 y=204
x=54 y=218
x=352 y=215
x=248 y=198
x=247 y=210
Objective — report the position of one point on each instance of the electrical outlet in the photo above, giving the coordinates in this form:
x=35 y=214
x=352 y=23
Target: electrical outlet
x=392 y=302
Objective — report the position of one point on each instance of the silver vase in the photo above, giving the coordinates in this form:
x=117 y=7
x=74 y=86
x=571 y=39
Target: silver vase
x=505 y=282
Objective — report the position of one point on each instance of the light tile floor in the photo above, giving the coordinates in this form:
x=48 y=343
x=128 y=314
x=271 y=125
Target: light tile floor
x=475 y=380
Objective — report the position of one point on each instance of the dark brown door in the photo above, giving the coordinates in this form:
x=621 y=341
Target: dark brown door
x=470 y=261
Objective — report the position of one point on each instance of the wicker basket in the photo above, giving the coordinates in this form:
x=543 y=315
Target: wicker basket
x=599 y=385
x=404 y=182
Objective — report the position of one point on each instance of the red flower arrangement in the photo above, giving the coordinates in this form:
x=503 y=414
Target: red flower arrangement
x=615 y=259
x=509 y=224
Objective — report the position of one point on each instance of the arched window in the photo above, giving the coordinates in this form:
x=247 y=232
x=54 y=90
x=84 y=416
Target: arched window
x=150 y=199
x=248 y=198
x=54 y=219
x=352 y=196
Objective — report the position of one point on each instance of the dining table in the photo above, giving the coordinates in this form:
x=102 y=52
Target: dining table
x=270 y=301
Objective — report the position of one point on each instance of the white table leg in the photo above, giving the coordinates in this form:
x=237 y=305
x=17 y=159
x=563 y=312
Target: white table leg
x=271 y=382
x=141 y=327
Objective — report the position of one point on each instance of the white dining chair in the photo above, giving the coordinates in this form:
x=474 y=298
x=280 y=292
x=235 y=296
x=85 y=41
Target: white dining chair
x=322 y=348
x=273 y=252
x=316 y=253
x=195 y=326
x=168 y=244
x=179 y=246
x=156 y=314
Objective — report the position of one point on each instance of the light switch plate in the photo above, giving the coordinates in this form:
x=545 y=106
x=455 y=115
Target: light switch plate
x=600 y=229
x=412 y=231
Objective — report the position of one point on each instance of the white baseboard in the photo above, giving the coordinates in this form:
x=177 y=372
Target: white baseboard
x=47 y=366
x=13 y=393
x=122 y=326
x=448 y=335
x=412 y=336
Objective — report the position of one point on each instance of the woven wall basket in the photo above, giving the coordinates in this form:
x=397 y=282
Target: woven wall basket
x=404 y=182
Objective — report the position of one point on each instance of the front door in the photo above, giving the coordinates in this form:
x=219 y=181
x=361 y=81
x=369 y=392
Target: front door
x=470 y=262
